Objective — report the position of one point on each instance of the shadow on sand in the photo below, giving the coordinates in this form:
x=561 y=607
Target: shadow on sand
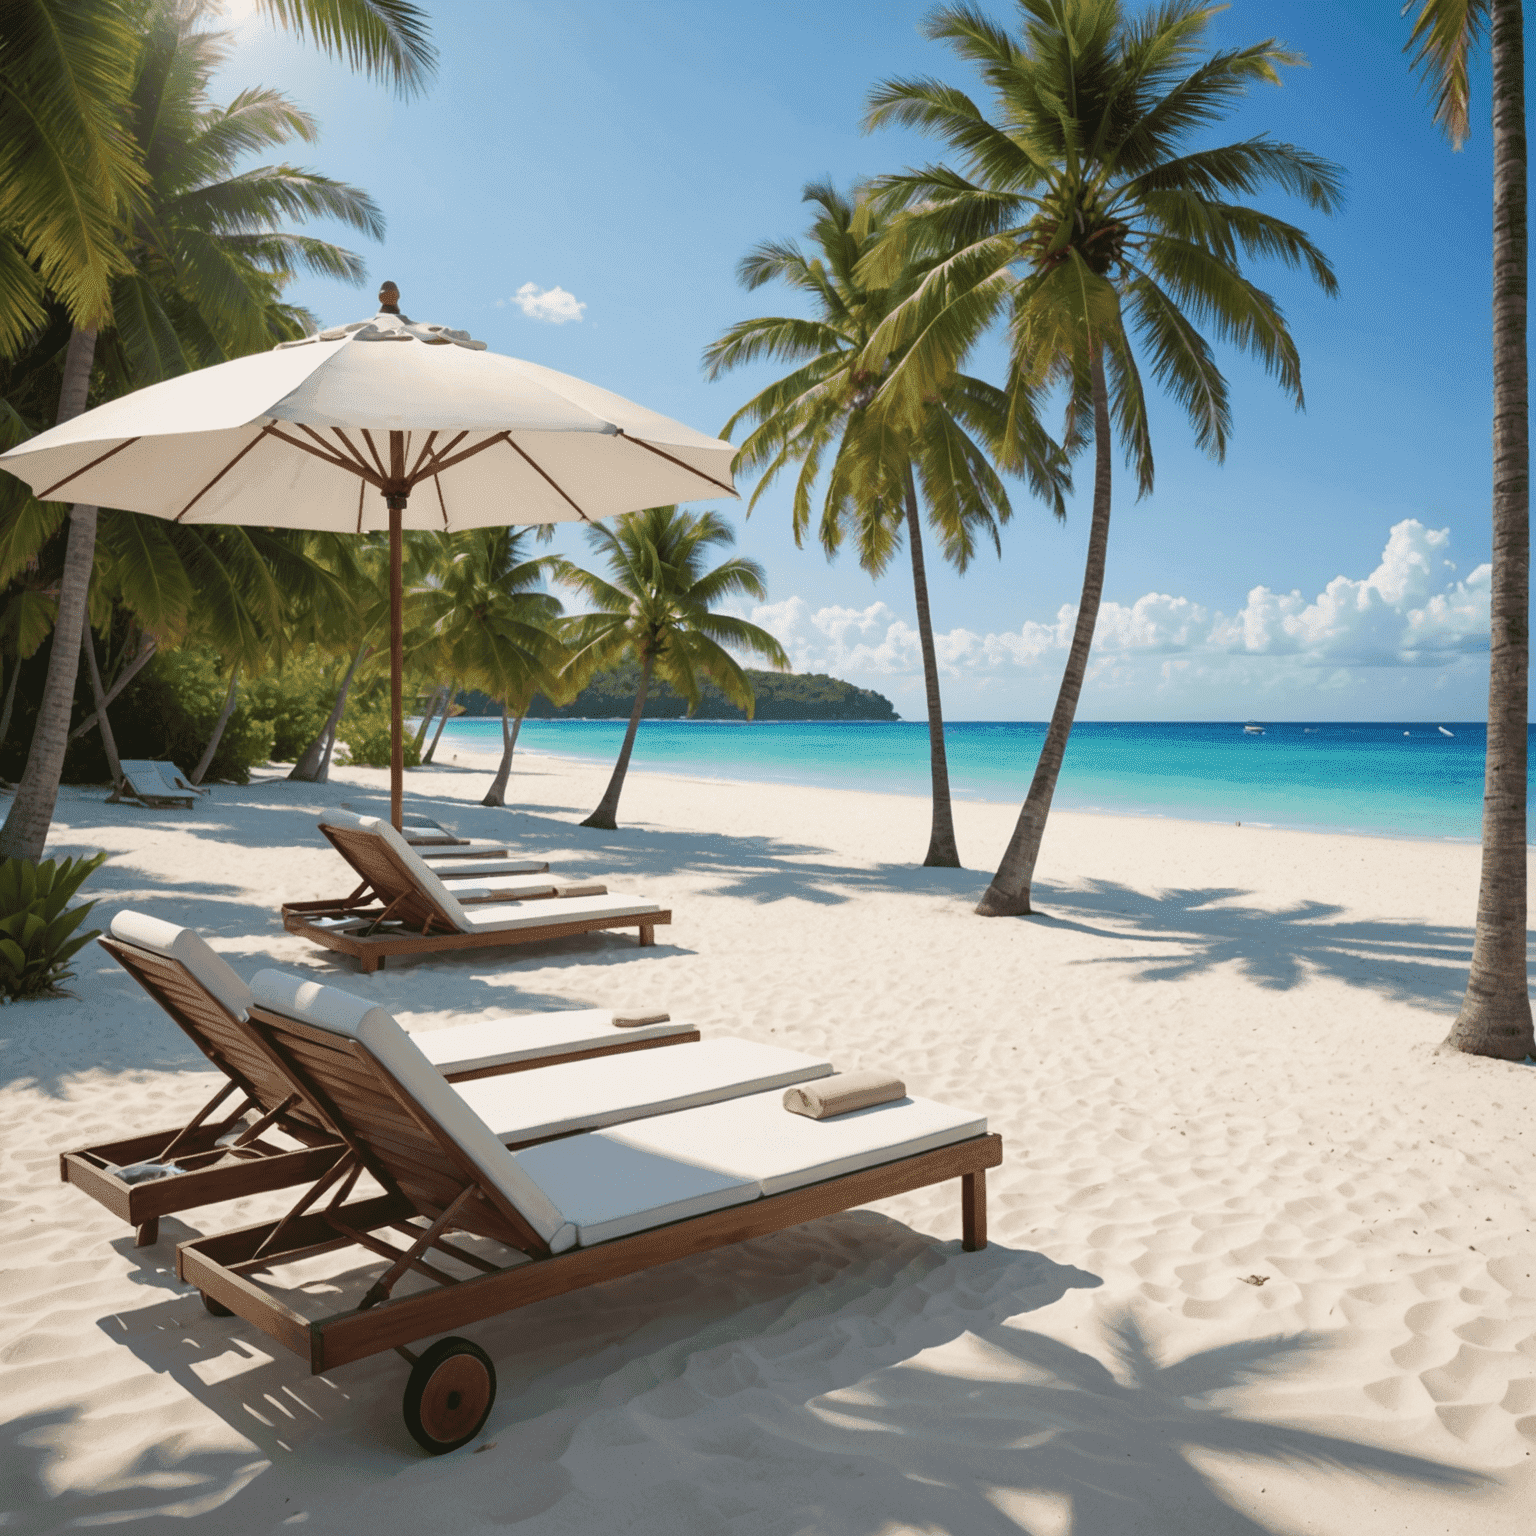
x=1107 y=1449
x=331 y=1440
x=980 y=1444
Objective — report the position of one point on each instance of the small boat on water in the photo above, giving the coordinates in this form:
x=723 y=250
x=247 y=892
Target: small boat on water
x=1444 y=732
x=1253 y=728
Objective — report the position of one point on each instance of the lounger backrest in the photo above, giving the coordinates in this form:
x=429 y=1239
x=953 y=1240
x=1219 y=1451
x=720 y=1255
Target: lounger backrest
x=143 y=778
x=389 y=1100
x=210 y=1002
x=393 y=868
x=176 y=781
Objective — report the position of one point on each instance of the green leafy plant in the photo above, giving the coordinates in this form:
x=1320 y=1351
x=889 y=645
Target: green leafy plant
x=37 y=924
x=365 y=734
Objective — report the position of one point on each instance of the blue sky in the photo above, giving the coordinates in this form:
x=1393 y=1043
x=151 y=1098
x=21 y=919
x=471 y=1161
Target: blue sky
x=627 y=156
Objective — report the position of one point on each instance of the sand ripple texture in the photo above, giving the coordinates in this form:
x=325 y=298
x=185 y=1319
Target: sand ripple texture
x=1261 y=1260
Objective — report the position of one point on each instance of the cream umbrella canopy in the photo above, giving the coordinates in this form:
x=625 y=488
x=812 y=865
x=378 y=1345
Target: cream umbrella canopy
x=384 y=424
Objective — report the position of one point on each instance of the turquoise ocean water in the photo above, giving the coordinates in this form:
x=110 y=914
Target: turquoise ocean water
x=1396 y=780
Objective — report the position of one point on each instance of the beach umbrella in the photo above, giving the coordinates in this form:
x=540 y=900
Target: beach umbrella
x=384 y=424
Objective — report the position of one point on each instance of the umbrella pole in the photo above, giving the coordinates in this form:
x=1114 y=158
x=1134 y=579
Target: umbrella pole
x=396 y=665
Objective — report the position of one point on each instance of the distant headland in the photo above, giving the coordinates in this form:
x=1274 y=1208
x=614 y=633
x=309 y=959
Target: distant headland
x=780 y=696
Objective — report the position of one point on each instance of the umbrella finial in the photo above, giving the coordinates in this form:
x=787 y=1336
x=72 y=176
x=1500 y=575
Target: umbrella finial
x=389 y=299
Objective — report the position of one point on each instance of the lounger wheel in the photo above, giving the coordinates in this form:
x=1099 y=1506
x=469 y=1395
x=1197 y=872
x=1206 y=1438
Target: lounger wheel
x=217 y=1308
x=449 y=1395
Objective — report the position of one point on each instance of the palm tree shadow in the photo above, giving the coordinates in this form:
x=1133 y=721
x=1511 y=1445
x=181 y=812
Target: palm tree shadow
x=342 y=1431
x=1032 y=1421
x=1198 y=929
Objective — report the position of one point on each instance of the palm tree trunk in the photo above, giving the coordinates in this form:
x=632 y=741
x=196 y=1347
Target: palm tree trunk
x=218 y=726
x=453 y=693
x=10 y=700
x=605 y=816
x=497 y=793
x=433 y=705
x=31 y=814
x=1495 y=1017
x=942 y=851
x=108 y=740
x=1008 y=894
x=314 y=766
x=145 y=655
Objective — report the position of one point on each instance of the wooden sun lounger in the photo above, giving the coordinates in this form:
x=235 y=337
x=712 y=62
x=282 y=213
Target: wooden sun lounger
x=440 y=1177
x=251 y=1162
x=403 y=908
x=156 y=784
x=432 y=840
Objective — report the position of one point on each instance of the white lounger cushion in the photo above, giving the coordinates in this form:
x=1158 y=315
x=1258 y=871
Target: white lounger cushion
x=485 y=869
x=473 y=847
x=526 y=1037
x=645 y=1173
x=517 y=888
x=757 y=1138
x=605 y=1090
x=211 y=971
x=608 y=1190
x=355 y=1018
x=569 y=909
x=533 y=913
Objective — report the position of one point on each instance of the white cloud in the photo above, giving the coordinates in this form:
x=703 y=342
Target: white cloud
x=552 y=305
x=1411 y=611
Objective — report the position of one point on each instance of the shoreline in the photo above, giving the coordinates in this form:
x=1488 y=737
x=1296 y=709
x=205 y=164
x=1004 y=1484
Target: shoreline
x=493 y=758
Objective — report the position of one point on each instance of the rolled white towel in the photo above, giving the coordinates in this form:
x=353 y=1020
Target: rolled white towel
x=632 y=1019
x=842 y=1093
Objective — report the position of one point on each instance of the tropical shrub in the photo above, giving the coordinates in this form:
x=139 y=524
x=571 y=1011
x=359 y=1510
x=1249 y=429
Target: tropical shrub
x=167 y=713
x=295 y=700
x=365 y=735
x=173 y=713
x=37 y=924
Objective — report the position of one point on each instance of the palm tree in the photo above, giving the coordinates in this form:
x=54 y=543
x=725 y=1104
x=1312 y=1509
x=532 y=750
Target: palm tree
x=655 y=609
x=495 y=627
x=1495 y=1016
x=67 y=163
x=823 y=407
x=1086 y=180
x=202 y=259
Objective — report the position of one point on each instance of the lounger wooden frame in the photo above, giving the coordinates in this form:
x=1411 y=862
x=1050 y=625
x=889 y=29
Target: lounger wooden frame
x=253 y=1082
x=389 y=914
x=431 y=1190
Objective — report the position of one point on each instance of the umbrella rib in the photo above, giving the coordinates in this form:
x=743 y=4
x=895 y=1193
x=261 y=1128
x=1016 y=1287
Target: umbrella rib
x=265 y=431
x=548 y=479
x=75 y=474
x=368 y=438
x=419 y=474
x=426 y=448
x=441 y=461
x=334 y=460
x=443 y=504
x=362 y=485
x=730 y=490
x=361 y=464
x=351 y=448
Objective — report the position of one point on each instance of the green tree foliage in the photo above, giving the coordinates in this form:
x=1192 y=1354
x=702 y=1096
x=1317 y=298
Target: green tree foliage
x=656 y=608
x=822 y=416
x=194 y=250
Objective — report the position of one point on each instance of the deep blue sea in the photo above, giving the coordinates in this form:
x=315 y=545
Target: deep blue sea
x=1398 y=780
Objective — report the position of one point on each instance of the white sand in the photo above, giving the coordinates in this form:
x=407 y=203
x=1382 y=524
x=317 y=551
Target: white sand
x=1211 y=1060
